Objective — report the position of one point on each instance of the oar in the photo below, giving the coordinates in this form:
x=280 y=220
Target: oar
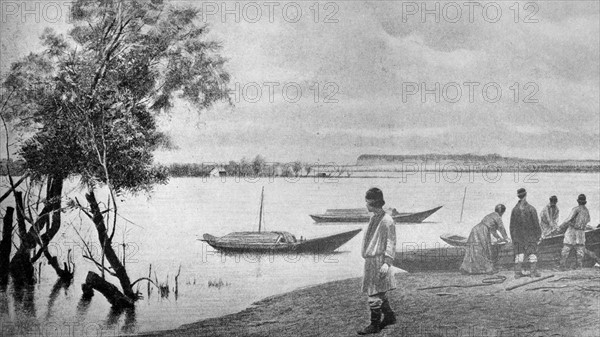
x=462 y=208
x=529 y=282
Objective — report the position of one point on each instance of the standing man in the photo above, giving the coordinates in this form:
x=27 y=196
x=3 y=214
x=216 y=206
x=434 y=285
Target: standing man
x=525 y=233
x=575 y=234
x=378 y=250
x=549 y=217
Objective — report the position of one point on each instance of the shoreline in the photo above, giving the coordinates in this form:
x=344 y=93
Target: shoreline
x=571 y=307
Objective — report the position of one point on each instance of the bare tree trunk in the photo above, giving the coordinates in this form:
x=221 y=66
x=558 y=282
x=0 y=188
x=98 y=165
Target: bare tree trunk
x=6 y=245
x=30 y=238
x=109 y=252
x=21 y=268
x=54 y=199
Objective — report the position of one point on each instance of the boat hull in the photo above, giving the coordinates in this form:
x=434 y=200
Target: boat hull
x=449 y=258
x=326 y=244
x=354 y=217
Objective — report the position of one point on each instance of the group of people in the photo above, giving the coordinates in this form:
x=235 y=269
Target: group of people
x=526 y=232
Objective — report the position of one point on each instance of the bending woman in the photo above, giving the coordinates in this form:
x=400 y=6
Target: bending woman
x=479 y=258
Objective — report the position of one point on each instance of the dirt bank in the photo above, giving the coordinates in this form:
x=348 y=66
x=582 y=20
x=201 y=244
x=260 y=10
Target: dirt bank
x=571 y=308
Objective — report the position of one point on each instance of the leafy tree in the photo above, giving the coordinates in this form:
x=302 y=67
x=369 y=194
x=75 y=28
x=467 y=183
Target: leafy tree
x=258 y=165
x=297 y=167
x=94 y=96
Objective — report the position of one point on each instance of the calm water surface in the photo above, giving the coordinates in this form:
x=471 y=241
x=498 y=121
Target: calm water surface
x=162 y=230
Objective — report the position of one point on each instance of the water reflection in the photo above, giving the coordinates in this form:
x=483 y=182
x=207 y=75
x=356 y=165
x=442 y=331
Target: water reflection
x=24 y=297
x=19 y=315
x=82 y=307
x=60 y=284
x=129 y=323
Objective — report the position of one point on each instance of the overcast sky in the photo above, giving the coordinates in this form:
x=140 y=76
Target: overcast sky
x=362 y=72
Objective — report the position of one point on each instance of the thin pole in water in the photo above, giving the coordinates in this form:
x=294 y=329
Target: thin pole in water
x=262 y=196
x=462 y=208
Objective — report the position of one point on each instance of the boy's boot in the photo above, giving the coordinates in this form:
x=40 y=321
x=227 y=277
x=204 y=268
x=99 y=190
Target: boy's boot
x=389 y=317
x=375 y=326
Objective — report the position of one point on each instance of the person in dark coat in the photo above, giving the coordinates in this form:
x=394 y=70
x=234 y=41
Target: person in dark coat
x=525 y=232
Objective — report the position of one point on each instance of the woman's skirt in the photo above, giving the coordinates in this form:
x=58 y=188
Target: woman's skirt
x=478 y=254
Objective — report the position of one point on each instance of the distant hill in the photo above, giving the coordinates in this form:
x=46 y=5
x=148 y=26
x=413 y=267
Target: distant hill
x=464 y=161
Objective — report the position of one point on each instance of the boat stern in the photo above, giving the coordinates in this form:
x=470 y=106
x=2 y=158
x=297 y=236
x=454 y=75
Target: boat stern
x=207 y=237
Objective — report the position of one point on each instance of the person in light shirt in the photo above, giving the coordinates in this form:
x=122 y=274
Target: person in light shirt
x=378 y=250
x=549 y=218
x=575 y=225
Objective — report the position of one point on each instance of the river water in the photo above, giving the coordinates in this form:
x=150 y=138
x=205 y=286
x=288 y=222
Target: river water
x=162 y=230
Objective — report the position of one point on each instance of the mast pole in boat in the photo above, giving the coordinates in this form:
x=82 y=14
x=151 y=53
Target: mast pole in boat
x=262 y=196
x=462 y=208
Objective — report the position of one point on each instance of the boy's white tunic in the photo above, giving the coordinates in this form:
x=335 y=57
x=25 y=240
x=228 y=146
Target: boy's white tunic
x=379 y=246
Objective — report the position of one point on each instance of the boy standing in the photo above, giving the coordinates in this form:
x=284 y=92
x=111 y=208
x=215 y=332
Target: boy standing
x=378 y=250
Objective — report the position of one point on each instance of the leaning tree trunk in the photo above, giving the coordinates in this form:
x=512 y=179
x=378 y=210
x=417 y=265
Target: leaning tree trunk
x=109 y=252
x=112 y=294
x=54 y=199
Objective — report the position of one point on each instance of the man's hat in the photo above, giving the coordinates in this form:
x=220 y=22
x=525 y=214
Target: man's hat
x=581 y=198
x=521 y=192
x=554 y=198
x=375 y=196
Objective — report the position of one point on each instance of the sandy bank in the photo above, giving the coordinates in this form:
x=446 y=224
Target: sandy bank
x=570 y=308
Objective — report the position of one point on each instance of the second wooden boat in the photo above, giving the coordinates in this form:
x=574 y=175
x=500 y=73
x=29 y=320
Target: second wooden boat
x=361 y=215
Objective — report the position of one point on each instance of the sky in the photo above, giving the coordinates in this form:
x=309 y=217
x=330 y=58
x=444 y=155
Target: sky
x=328 y=81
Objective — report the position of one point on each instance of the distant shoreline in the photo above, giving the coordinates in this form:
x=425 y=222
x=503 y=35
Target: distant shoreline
x=353 y=171
x=398 y=173
x=365 y=167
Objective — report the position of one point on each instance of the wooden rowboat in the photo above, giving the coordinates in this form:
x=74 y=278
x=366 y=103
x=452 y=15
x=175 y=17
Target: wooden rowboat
x=277 y=242
x=415 y=257
x=361 y=215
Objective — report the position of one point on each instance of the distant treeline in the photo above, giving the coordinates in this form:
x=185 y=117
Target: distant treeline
x=258 y=167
